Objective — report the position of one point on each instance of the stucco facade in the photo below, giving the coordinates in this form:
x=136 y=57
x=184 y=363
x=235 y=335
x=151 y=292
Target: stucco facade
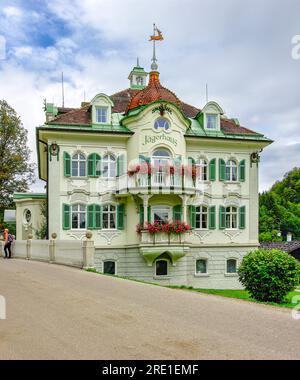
x=142 y=156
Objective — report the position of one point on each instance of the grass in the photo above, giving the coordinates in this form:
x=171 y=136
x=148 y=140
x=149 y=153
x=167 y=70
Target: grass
x=242 y=295
x=228 y=293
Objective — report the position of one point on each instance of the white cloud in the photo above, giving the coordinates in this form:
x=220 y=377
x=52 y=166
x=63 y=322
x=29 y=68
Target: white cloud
x=12 y=12
x=241 y=49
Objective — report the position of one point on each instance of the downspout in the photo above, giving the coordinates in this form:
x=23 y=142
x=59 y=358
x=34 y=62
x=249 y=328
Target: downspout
x=47 y=187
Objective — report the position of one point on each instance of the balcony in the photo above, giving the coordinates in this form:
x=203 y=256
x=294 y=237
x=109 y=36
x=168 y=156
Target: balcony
x=161 y=238
x=159 y=182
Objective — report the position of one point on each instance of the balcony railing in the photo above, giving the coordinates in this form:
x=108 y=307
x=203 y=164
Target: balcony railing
x=161 y=238
x=159 y=180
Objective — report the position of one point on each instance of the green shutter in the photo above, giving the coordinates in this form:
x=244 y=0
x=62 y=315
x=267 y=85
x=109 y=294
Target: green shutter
x=242 y=171
x=94 y=162
x=67 y=164
x=97 y=217
x=192 y=210
x=90 y=217
x=222 y=169
x=212 y=170
x=177 y=213
x=242 y=217
x=97 y=165
x=121 y=216
x=212 y=217
x=91 y=165
x=149 y=214
x=222 y=218
x=141 y=215
x=120 y=165
x=66 y=217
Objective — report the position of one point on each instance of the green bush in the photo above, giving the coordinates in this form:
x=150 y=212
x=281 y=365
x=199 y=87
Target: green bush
x=269 y=275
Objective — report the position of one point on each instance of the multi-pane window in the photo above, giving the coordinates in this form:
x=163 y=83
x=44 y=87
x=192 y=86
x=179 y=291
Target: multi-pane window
x=109 y=216
x=78 y=216
x=202 y=169
x=231 y=266
x=211 y=121
x=78 y=165
x=109 y=267
x=101 y=114
x=162 y=123
x=201 y=214
x=161 y=214
x=231 y=217
x=109 y=166
x=161 y=161
x=201 y=266
x=231 y=171
x=161 y=268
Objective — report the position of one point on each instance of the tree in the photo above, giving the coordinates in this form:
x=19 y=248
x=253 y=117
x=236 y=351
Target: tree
x=269 y=275
x=279 y=209
x=16 y=172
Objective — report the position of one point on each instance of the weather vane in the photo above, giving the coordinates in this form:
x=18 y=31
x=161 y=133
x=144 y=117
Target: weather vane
x=157 y=36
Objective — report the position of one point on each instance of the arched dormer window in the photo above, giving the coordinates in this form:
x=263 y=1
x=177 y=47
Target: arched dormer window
x=101 y=109
x=212 y=116
x=109 y=166
x=78 y=165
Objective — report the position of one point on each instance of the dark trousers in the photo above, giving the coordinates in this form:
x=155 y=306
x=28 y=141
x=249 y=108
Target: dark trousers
x=7 y=249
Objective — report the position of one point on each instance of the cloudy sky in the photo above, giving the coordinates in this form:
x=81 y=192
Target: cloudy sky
x=241 y=48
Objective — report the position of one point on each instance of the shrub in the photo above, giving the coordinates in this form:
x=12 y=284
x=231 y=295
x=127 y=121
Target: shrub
x=269 y=275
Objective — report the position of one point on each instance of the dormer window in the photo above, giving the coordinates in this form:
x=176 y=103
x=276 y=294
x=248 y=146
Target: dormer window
x=211 y=116
x=212 y=121
x=140 y=81
x=101 y=109
x=101 y=114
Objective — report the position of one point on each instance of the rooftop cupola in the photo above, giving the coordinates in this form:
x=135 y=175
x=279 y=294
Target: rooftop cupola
x=138 y=77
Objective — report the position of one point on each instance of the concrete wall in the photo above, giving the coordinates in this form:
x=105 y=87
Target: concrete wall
x=130 y=263
x=72 y=253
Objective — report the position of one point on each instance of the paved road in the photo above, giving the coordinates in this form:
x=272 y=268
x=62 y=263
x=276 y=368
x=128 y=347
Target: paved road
x=55 y=312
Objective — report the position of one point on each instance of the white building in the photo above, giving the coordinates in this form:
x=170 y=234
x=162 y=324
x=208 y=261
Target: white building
x=142 y=156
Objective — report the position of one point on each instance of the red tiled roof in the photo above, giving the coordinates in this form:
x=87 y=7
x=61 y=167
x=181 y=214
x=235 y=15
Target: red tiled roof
x=230 y=127
x=154 y=91
x=122 y=98
x=131 y=98
x=79 y=116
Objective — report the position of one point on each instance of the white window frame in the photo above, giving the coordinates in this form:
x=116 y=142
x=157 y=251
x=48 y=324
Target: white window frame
x=109 y=213
x=79 y=212
x=110 y=160
x=110 y=260
x=202 y=169
x=201 y=212
x=236 y=267
x=215 y=116
x=161 y=275
x=162 y=128
x=160 y=177
x=233 y=215
x=231 y=166
x=162 y=207
x=200 y=273
x=78 y=158
x=101 y=108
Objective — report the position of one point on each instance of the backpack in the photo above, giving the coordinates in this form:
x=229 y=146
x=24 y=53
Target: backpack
x=10 y=239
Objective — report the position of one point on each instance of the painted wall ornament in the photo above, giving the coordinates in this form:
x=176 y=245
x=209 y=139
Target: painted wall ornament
x=254 y=158
x=162 y=109
x=54 y=151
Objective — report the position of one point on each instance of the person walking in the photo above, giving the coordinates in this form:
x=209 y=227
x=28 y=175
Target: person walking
x=8 y=239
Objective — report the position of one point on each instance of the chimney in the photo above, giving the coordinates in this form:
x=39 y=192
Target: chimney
x=289 y=237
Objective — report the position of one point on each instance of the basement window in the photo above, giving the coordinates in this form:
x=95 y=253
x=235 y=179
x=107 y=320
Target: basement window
x=109 y=267
x=161 y=268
